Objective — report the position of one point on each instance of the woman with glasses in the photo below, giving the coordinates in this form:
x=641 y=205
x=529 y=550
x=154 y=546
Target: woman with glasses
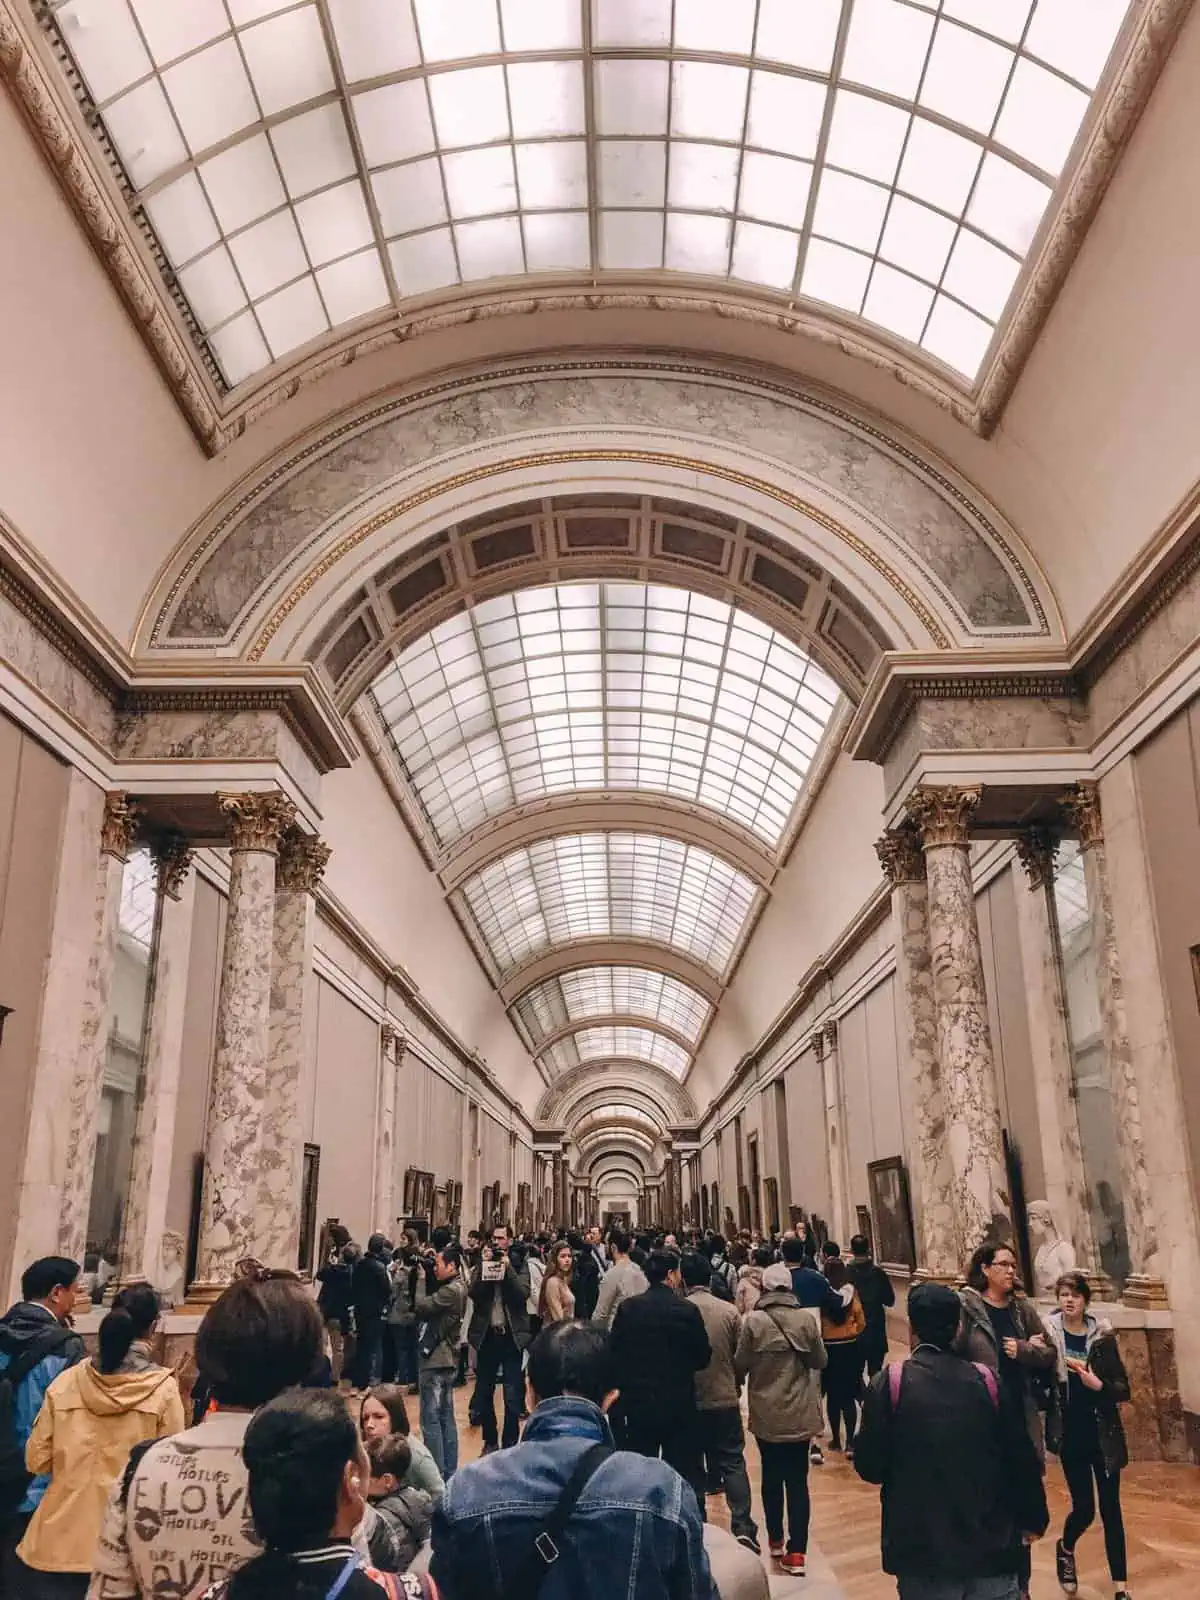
x=1002 y=1330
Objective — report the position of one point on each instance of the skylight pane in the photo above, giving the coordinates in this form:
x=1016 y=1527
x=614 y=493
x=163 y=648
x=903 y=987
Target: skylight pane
x=144 y=130
x=450 y=32
x=801 y=36
x=288 y=60
x=765 y=255
x=546 y=98
x=775 y=188
x=631 y=22
x=722 y=26
x=886 y=46
x=1041 y=116
x=631 y=96
x=104 y=40
x=211 y=95
x=966 y=77
x=540 y=24
x=1056 y=37
x=708 y=100
x=374 y=37
x=785 y=113
x=957 y=336
x=703 y=176
x=313 y=150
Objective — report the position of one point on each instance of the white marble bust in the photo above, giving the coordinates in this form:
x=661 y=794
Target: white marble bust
x=170 y=1284
x=1053 y=1255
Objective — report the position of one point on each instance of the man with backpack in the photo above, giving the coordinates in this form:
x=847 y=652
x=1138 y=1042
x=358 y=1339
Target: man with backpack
x=962 y=1487
x=36 y=1344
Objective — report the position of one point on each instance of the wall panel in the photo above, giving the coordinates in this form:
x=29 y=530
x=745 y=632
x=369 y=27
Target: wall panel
x=1009 y=1016
x=806 y=1138
x=196 y=1051
x=344 y=1109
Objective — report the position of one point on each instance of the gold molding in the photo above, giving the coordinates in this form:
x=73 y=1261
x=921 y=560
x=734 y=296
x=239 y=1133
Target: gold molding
x=942 y=813
x=901 y=857
x=555 y=458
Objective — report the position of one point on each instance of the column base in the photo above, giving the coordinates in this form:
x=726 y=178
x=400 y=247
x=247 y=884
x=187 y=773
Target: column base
x=202 y=1295
x=1145 y=1293
x=1101 y=1285
x=949 y=1280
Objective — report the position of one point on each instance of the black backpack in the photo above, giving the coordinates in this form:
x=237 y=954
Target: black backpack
x=720 y=1285
x=14 y=1477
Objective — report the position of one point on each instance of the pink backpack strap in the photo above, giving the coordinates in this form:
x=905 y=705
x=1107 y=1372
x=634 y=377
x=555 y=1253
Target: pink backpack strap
x=895 y=1374
x=989 y=1382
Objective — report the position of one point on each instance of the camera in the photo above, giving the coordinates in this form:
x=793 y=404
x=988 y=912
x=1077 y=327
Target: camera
x=491 y=1268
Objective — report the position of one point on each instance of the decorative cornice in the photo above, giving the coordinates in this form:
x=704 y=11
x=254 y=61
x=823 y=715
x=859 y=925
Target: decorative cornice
x=300 y=704
x=119 y=825
x=301 y=863
x=942 y=813
x=901 y=857
x=829 y=1033
x=257 y=821
x=1036 y=851
x=50 y=625
x=172 y=856
x=1081 y=805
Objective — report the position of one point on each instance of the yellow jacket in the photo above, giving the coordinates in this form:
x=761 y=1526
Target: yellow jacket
x=82 y=1437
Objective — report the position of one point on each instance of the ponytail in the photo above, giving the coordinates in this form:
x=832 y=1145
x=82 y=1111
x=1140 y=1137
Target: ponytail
x=133 y=1315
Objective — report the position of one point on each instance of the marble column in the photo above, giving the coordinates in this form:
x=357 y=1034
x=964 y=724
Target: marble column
x=1050 y=1048
x=154 y=1130
x=979 y=1184
x=82 y=1111
x=903 y=863
x=825 y=1042
x=1144 y=1286
x=391 y=1050
x=233 y=1140
x=300 y=862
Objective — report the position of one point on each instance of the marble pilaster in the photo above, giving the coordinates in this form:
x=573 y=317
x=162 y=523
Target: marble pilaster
x=298 y=868
x=154 y=1130
x=1144 y=1285
x=966 y=1063
x=825 y=1042
x=117 y=829
x=1050 y=1048
x=391 y=1053
x=233 y=1140
x=903 y=862
x=558 y=1183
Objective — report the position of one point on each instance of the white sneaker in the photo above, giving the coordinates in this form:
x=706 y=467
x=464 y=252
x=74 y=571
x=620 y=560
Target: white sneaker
x=816 y=1456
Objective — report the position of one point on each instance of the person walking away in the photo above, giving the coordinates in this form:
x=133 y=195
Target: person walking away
x=1002 y=1329
x=621 y=1524
x=814 y=1291
x=384 y=1411
x=780 y=1353
x=400 y=1330
x=659 y=1344
x=722 y=1272
x=961 y=1484
x=536 y=1263
x=717 y=1386
x=842 y=1379
x=306 y=1489
x=623 y=1278
x=372 y=1296
x=876 y=1293
x=440 y=1302
x=1089 y=1438
x=92 y=1416
x=556 y=1303
x=406 y=1512
x=176 y=1520
x=749 y=1284
x=585 y=1283
x=335 y=1301
x=499 y=1334
x=37 y=1343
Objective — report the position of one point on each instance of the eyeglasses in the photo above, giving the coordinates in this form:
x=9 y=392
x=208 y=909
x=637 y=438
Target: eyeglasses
x=1005 y=1266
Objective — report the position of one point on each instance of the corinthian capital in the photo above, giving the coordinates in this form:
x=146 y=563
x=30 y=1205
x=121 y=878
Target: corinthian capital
x=256 y=821
x=901 y=856
x=1036 y=849
x=302 y=861
x=172 y=857
x=942 y=812
x=1082 y=807
x=119 y=825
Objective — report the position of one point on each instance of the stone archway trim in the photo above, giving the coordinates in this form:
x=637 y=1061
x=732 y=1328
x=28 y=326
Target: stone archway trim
x=606 y=952
x=623 y=1019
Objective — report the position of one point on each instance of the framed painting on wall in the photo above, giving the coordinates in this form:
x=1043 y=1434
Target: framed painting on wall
x=441 y=1209
x=771 y=1185
x=888 y=1184
x=308 y=1208
x=865 y=1225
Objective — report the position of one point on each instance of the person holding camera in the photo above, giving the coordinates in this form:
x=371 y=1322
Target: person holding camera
x=440 y=1303
x=499 y=1334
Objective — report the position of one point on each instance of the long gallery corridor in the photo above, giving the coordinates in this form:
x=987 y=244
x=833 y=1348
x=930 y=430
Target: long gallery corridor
x=600 y=636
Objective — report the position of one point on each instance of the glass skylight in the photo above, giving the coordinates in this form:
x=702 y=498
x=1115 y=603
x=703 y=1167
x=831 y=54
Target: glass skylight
x=637 y=1044
x=139 y=899
x=609 y=992
x=605 y=686
x=307 y=164
x=609 y=885
x=630 y=1117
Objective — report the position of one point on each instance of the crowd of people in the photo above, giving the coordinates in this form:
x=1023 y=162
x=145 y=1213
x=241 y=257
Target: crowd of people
x=628 y=1370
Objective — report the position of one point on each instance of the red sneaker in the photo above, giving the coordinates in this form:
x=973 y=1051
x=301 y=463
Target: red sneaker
x=776 y=1548
x=794 y=1563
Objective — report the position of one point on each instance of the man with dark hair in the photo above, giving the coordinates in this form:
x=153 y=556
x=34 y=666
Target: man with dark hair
x=623 y=1279
x=876 y=1293
x=962 y=1487
x=625 y=1525
x=440 y=1303
x=720 y=1421
x=499 y=1334
x=372 y=1295
x=814 y=1291
x=659 y=1345
x=36 y=1344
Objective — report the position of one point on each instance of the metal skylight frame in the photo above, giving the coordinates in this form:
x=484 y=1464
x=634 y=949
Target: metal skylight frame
x=605 y=687
x=613 y=991
x=891 y=243
x=617 y=1042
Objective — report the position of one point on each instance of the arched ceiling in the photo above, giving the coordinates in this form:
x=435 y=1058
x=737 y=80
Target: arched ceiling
x=301 y=166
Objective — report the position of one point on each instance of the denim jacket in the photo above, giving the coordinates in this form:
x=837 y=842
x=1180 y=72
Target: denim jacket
x=636 y=1531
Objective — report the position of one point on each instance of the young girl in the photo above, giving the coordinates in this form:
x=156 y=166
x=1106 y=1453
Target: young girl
x=556 y=1302
x=1092 y=1446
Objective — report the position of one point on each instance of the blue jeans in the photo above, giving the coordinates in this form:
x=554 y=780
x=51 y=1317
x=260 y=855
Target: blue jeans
x=1006 y=1588
x=438 y=1427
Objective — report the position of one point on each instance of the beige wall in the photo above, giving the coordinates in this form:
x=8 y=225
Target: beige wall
x=806 y=1136
x=342 y=1114
x=33 y=793
x=199 y=1033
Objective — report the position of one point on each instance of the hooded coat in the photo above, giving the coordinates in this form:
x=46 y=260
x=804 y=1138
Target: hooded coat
x=27 y=1329
x=89 y=1422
